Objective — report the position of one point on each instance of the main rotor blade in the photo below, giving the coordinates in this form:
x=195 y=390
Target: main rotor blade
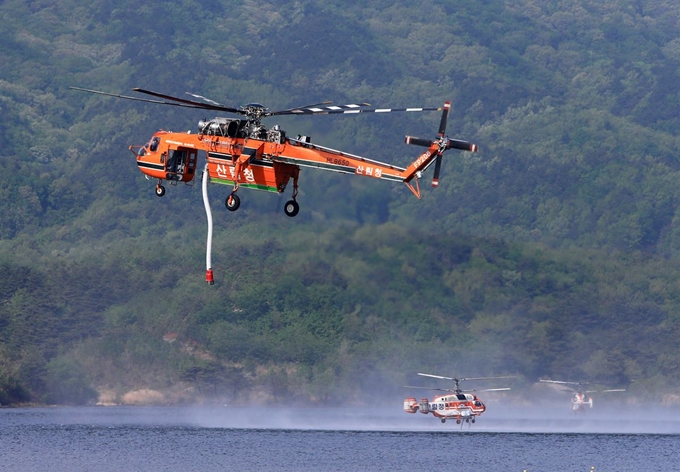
x=312 y=105
x=205 y=106
x=491 y=378
x=146 y=100
x=352 y=108
x=563 y=382
x=431 y=388
x=321 y=109
x=205 y=99
x=467 y=378
x=436 y=376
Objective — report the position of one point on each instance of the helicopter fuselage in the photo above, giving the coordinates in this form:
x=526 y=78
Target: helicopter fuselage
x=580 y=401
x=246 y=154
x=460 y=406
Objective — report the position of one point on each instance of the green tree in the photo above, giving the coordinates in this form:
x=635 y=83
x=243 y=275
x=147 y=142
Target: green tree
x=67 y=383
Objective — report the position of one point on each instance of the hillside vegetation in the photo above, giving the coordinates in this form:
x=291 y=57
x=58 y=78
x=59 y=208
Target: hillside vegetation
x=553 y=252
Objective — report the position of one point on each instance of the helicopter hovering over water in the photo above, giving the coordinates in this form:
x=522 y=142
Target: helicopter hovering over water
x=455 y=404
x=581 y=398
x=243 y=153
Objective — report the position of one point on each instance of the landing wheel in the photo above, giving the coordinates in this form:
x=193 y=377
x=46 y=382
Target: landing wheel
x=473 y=420
x=232 y=202
x=160 y=190
x=457 y=421
x=443 y=420
x=291 y=208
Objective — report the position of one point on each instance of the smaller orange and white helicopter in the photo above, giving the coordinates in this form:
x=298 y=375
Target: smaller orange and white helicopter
x=581 y=398
x=455 y=404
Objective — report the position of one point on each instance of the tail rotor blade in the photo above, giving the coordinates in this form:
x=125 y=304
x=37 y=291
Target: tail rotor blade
x=418 y=141
x=437 y=169
x=462 y=145
x=445 y=116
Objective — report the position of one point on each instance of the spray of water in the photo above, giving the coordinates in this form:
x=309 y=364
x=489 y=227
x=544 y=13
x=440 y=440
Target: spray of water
x=557 y=418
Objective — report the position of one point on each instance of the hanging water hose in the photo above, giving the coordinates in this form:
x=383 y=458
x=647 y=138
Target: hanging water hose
x=208 y=214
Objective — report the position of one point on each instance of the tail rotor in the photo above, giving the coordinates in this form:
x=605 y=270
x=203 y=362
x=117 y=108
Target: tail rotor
x=443 y=143
x=440 y=153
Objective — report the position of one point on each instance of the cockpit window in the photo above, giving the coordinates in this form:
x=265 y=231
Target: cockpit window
x=154 y=144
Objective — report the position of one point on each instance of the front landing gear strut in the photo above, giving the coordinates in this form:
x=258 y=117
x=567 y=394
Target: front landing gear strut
x=291 y=208
x=160 y=190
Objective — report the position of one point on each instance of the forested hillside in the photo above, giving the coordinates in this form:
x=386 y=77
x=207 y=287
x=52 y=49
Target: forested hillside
x=552 y=252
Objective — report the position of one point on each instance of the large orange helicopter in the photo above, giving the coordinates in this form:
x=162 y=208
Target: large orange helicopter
x=455 y=404
x=243 y=152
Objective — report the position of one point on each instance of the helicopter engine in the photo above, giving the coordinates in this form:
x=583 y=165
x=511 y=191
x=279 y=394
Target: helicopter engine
x=276 y=135
x=227 y=127
x=235 y=128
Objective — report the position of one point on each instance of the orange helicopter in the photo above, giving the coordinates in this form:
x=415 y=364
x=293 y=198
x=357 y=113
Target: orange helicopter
x=243 y=152
x=455 y=404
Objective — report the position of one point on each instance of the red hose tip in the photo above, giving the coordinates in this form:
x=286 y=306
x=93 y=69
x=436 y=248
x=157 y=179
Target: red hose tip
x=209 y=277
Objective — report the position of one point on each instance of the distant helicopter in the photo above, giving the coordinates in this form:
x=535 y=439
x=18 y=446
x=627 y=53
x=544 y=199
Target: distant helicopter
x=243 y=152
x=455 y=404
x=580 y=398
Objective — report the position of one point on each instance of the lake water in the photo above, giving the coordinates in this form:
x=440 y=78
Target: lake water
x=334 y=439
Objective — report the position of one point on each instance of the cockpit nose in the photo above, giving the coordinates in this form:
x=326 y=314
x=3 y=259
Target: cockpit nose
x=151 y=146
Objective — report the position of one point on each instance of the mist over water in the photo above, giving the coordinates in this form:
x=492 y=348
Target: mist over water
x=617 y=419
x=544 y=419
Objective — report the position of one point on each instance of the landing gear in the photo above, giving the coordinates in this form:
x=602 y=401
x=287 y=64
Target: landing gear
x=160 y=190
x=232 y=202
x=457 y=421
x=291 y=208
x=443 y=420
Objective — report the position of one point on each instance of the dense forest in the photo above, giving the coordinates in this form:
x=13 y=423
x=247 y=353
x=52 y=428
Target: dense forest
x=553 y=252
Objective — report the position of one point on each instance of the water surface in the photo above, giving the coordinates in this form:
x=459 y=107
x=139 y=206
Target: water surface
x=332 y=439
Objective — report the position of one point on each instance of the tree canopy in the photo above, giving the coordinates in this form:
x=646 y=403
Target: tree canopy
x=552 y=252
